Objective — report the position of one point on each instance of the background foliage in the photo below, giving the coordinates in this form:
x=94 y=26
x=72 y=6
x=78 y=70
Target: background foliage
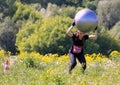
x=39 y=25
x=108 y=12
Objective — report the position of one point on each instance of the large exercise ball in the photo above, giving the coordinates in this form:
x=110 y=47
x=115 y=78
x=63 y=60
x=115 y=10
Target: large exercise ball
x=86 y=20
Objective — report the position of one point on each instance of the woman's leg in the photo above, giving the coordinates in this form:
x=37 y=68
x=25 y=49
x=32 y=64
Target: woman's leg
x=82 y=60
x=73 y=61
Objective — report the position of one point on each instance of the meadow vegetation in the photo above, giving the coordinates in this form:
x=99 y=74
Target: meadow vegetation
x=36 y=69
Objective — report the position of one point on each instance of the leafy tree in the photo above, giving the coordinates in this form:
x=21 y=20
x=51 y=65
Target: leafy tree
x=25 y=12
x=68 y=11
x=91 y=4
x=22 y=12
x=91 y=46
x=9 y=28
x=50 y=38
x=2 y=5
x=107 y=43
x=114 y=32
x=53 y=37
x=7 y=7
x=25 y=38
x=65 y=11
x=44 y=3
x=108 y=13
x=53 y=10
x=7 y=41
x=8 y=35
x=104 y=44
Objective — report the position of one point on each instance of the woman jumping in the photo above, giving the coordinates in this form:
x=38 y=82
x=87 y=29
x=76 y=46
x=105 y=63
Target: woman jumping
x=76 y=50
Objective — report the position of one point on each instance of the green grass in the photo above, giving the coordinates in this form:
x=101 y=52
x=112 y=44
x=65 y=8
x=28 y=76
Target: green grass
x=53 y=73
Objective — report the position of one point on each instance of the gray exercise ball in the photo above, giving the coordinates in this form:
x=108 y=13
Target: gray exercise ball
x=86 y=20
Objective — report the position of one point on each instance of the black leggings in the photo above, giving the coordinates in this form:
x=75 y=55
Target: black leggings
x=80 y=58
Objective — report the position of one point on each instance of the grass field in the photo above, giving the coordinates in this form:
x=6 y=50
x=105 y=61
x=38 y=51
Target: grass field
x=35 y=69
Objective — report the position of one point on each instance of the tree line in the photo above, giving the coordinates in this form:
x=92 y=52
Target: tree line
x=39 y=25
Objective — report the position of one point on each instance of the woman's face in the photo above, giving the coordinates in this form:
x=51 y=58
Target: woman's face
x=79 y=34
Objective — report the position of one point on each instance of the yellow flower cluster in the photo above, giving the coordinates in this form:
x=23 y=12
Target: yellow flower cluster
x=62 y=58
x=95 y=57
x=49 y=58
x=114 y=53
x=4 y=54
x=56 y=58
x=22 y=55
